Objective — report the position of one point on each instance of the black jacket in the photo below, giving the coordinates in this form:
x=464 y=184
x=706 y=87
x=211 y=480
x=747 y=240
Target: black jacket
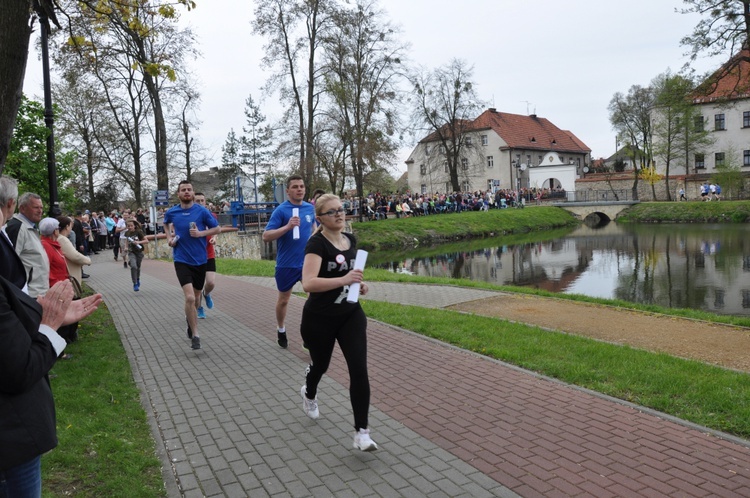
x=27 y=408
x=11 y=266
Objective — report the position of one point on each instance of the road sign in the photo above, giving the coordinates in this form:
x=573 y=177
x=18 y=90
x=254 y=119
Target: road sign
x=161 y=197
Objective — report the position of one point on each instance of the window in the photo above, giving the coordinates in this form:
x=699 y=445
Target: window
x=423 y=188
x=464 y=163
x=719 y=123
x=490 y=161
x=467 y=141
x=698 y=123
x=700 y=161
x=746 y=157
x=465 y=186
x=746 y=119
x=719 y=159
x=484 y=139
x=445 y=164
x=422 y=169
x=448 y=187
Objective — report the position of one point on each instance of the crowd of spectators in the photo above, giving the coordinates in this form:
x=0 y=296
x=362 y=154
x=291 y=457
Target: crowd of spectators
x=378 y=206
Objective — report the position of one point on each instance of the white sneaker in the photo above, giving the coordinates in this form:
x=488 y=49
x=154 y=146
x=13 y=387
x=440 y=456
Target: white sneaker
x=363 y=442
x=309 y=405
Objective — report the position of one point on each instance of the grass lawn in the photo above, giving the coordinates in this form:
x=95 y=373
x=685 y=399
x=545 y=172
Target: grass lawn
x=106 y=448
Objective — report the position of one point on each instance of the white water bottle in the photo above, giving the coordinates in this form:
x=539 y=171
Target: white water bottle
x=295 y=230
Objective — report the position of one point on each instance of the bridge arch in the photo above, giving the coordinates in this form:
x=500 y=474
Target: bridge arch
x=596 y=219
x=604 y=210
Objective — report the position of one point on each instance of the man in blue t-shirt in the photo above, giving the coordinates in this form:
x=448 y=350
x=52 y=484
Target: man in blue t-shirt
x=290 y=246
x=187 y=227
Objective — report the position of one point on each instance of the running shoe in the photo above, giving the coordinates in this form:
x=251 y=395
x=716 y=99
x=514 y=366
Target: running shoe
x=209 y=300
x=310 y=406
x=363 y=442
x=281 y=339
x=196 y=343
x=201 y=312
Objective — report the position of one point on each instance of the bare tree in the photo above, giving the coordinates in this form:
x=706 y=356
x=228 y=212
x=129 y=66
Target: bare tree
x=144 y=33
x=293 y=29
x=630 y=116
x=446 y=104
x=363 y=62
x=185 y=148
x=83 y=116
x=121 y=135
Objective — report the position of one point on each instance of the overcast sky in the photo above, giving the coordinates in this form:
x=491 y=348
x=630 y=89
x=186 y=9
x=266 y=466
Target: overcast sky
x=563 y=60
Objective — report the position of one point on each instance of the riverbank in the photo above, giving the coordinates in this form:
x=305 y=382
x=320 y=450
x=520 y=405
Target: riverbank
x=688 y=212
x=409 y=233
x=441 y=228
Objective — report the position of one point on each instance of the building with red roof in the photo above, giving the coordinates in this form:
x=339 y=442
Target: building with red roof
x=724 y=102
x=501 y=151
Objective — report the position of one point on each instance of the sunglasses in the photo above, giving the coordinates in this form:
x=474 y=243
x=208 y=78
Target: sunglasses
x=334 y=212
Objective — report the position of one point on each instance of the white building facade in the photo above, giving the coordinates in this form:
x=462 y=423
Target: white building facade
x=501 y=151
x=725 y=112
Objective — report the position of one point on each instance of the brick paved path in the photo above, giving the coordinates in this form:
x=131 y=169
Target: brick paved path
x=228 y=422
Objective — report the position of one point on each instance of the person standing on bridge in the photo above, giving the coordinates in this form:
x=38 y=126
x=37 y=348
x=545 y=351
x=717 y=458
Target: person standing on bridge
x=291 y=233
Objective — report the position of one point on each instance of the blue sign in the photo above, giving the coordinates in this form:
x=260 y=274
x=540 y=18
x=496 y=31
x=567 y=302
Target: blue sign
x=161 y=198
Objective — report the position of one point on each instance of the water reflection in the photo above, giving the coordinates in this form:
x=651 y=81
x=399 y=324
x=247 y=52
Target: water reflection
x=703 y=266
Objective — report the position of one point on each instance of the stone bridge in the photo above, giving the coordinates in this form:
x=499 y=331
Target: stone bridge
x=606 y=211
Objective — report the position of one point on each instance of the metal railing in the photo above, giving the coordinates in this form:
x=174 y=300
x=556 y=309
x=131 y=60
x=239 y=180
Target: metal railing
x=244 y=216
x=611 y=195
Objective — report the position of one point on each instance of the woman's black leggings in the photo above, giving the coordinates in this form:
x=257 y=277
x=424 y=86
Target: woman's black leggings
x=320 y=333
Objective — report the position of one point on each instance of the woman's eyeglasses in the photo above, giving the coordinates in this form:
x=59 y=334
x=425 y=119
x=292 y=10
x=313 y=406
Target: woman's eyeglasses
x=334 y=212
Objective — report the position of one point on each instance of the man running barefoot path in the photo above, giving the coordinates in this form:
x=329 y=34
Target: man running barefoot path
x=186 y=227
x=290 y=251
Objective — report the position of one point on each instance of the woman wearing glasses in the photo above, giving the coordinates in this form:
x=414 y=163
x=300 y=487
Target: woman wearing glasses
x=328 y=317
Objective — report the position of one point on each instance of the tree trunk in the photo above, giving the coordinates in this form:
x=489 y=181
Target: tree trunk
x=160 y=137
x=15 y=32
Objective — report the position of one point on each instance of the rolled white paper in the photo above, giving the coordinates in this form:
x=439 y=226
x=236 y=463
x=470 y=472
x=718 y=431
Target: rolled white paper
x=359 y=264
x=295 y=230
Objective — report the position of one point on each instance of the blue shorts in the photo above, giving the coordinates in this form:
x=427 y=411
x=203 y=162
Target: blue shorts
x=287 y=277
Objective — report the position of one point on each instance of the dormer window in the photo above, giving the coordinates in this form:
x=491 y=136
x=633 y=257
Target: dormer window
x=533 y=140
x=554 y=142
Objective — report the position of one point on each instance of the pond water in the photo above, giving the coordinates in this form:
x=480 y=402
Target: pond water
x=700 y=266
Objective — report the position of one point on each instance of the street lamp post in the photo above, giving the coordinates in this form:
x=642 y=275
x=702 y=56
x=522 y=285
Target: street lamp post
x=49 y=116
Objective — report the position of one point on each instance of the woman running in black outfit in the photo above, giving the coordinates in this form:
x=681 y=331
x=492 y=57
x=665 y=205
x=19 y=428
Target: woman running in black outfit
x=328 y=317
